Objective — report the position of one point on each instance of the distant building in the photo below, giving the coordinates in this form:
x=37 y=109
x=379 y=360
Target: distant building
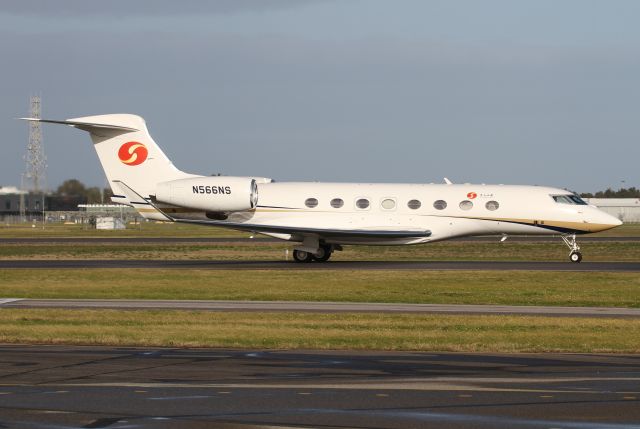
x=9 y=190
x=34 y=203
x=625 y=209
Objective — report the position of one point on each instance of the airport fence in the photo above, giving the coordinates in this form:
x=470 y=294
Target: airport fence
x=68 y=217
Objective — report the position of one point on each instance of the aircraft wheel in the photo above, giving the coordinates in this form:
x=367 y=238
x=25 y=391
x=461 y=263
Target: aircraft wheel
x=323 y=254
x=302 y=256
x=575 y=256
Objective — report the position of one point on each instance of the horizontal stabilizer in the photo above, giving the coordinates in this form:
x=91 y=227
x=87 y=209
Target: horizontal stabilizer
x=85 y=126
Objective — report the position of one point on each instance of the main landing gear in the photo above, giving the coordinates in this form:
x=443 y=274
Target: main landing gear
x=322 y=255
x=570 y=241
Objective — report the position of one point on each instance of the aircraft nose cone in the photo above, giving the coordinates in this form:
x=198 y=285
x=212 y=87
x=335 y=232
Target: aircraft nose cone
x=608 y=220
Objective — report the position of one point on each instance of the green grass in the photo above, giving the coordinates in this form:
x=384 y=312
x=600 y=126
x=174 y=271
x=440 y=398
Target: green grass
x=437 y=287
x=144 y=229
x=320 y=331
x=317 y=331
x=496 y=251
x=445 y=251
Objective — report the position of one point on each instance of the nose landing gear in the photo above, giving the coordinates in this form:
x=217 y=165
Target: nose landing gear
x=570 y=241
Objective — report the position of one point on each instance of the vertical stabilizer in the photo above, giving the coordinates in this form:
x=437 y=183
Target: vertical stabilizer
x=127 y=152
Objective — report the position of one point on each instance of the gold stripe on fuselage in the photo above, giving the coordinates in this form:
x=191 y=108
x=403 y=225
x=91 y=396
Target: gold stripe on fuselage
x=545 y=224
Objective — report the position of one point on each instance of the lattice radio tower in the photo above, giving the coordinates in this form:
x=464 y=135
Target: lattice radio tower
x=36 y=162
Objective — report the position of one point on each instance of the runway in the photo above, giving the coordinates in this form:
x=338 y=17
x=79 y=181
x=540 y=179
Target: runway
x=331 y=265
x=102 y=387
x=319 y=307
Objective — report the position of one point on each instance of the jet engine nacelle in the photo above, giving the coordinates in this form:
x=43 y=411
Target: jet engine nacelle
x=210 y=193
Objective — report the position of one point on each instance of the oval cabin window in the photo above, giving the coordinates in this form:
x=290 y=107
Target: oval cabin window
x=311 y=203
x=362 y=203
x=336 y=203
x=440 y=205
x=466 y=205
x=388 y=204
x=492 y=205
x=414 y=204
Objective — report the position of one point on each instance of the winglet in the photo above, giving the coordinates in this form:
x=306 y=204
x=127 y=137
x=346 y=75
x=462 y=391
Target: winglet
x=447 y=181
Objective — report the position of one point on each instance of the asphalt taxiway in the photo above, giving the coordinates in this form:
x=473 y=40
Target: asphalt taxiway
x=106 y=387
x=318 y=307
x=331 y=265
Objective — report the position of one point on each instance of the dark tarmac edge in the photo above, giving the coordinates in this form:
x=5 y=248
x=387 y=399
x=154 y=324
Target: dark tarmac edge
x=53 y=386
x=320 y=307
x=331 y=265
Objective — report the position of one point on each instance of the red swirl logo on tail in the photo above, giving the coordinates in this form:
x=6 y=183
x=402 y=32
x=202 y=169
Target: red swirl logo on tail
x=133 y=153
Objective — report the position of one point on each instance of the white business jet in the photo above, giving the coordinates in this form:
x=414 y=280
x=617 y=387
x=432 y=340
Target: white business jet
x=322 y=217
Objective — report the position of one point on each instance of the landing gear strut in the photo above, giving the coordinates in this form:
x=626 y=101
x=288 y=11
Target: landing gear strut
x=570 y=241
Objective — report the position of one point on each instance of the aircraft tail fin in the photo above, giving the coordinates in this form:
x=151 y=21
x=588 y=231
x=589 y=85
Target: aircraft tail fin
x=127 y=153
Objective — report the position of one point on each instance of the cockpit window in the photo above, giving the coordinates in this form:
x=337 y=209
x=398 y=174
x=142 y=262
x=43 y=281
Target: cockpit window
x=569 y=199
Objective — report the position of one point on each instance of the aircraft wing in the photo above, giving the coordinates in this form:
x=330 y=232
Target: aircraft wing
x=323 y=232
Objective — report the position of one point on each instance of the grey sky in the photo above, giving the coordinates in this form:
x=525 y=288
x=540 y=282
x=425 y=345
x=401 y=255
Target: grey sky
x=538 y=92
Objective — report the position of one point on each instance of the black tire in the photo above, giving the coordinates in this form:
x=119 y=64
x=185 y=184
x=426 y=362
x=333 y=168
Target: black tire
x=575 y=257
x=302 y=256
x=324 y=253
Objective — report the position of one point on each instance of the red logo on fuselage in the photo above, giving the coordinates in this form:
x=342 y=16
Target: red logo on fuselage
x=133 y=153
x=471 y=195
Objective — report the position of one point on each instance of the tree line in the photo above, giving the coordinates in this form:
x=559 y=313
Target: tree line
x=76 y=189
x=631 y=192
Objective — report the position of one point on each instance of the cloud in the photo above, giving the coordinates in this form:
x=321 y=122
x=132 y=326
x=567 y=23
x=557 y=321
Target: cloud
x=120 y=8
